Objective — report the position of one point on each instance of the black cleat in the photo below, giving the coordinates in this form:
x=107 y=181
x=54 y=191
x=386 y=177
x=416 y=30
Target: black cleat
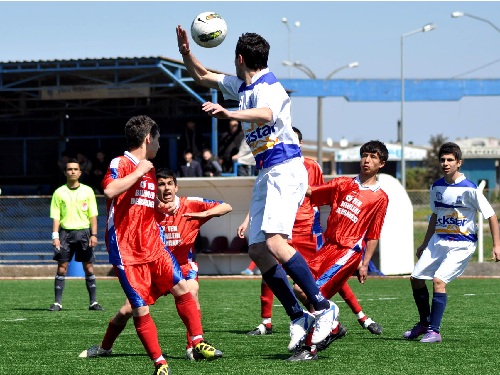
x=342 y=331
x=96 y=307
x=304 y=353
x=261 y=330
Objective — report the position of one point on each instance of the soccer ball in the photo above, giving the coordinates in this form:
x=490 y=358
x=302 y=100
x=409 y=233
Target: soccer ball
x=208 y=29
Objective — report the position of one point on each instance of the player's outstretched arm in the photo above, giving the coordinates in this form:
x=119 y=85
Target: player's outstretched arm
x=216 y=211
x=197 y=71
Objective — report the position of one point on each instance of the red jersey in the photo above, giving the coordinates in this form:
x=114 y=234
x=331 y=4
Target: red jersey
x=351 y=203
x=305 y=218
x=132 y=235
x=180 y=232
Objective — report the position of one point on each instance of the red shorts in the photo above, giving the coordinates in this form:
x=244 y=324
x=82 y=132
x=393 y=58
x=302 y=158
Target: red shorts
x=190 y=270
x=307 y=245
x=332 y=267
x=144 y=283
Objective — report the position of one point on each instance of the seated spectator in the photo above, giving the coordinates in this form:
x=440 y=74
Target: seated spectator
x=190 y=168
x=209 y=166
x=229 y=145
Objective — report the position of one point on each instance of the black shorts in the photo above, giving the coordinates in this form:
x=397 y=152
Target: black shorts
x=74 y=242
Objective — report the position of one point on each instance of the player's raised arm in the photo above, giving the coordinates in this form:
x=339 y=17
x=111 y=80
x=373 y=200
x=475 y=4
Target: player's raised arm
x=216 y=211
x=197 y=71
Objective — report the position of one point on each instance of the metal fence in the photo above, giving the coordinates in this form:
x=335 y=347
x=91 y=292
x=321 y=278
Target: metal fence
x=25 y=230
x=25 y=227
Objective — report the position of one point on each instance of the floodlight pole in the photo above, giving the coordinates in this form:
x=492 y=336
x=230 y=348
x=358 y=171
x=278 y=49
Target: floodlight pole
x=305 y=69
x=462 y=14
x=425 y=28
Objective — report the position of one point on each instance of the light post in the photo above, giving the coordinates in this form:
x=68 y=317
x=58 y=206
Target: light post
x=311 y=75
x=296 y=24
x=462 y=14
x=424 y=29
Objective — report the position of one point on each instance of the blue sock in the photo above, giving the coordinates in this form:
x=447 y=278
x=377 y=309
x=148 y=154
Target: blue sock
x=299 y=271
x=437 y=311
x=277 y=280
x=421 y=297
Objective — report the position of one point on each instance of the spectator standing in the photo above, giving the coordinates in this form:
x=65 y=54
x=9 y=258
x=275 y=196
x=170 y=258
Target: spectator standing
x=100 y=166
x=85 y=167
x=245 y=159
x=209 y=166
x=229 y=145
x=190 y=168
x=191 y=139
x=73 y=211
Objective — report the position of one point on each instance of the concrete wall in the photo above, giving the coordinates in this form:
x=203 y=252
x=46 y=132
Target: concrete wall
x=395 y=252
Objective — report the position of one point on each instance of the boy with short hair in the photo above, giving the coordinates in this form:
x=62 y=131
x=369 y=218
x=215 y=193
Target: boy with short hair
x=449 y=243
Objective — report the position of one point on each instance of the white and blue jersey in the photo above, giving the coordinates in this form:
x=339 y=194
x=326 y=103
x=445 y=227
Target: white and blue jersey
x=455 y=206
x=273 y=142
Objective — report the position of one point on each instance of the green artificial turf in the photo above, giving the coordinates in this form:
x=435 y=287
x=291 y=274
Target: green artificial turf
x=36 y=341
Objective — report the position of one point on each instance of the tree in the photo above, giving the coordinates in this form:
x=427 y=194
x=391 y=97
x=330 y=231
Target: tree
x=431 y=162
x=416 y=179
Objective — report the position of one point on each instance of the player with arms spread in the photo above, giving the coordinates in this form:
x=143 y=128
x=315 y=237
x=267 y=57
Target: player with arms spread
x=265 y=115
x=145 y=269
x=181 y=228
x=449 y=242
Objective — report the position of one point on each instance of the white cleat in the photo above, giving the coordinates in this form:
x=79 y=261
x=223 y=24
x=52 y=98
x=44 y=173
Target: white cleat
x=299 y=328
x=323 y=324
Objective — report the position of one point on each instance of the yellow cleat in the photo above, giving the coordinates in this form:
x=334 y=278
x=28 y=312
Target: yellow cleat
x=206 y=351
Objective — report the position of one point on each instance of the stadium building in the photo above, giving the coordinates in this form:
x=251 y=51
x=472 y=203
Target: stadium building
x=56 y=106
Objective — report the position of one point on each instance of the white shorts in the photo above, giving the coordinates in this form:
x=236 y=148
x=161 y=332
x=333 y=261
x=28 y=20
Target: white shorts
x=277 y=194
x=443 y=259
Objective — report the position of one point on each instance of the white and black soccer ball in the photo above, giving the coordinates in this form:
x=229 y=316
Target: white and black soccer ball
x=208 y=29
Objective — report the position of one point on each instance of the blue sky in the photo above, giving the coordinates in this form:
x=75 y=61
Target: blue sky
x=331 y=34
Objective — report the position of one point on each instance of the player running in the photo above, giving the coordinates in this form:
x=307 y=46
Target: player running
x=145 y=268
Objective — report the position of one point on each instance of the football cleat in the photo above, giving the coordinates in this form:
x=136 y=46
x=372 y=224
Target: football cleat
x=162 y=370
x=341 y=332
x=323 y=324
x=299 y=328
x=203 y=350
x=55 y=307
x=189 y=354
x=372 y=326
x=246 y=272
x=305 y=353
x=95 y=351
x=262 y=329
x=431 y=336
x=96 y=307
x=418 y=330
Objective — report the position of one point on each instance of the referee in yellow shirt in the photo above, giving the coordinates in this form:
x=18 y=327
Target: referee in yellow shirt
x=73 y=210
